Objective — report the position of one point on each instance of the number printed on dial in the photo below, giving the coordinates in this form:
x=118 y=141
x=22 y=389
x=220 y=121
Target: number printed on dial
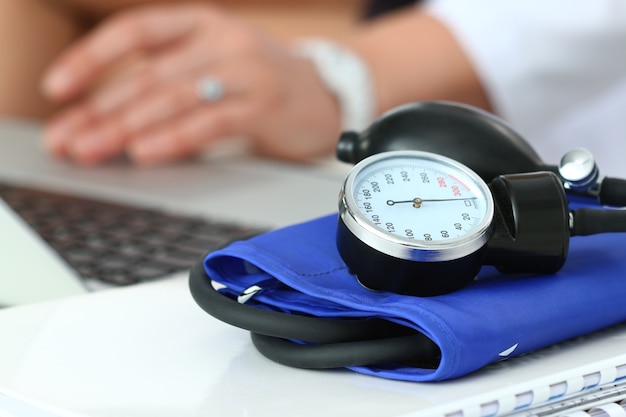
x=421 y=199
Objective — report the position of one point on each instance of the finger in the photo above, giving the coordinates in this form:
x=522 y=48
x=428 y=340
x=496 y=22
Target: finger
x=160 y=106
x=168 y=66
x=59 y=131
x=188 y=134
x=156 y=104
x=90 y=137
x=151 y=110
x=123 y=90
x=115 y=40
x=96 y=144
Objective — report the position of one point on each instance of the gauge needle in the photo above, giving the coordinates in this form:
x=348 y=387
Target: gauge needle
x=417 y=202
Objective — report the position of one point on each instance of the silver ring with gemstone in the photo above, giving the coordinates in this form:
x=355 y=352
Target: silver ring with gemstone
x=210 y=89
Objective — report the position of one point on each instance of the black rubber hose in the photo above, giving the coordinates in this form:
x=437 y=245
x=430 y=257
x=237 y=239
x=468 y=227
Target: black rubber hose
x=397 y=350
x=334 y=342
x=613 y=192
x=593 y=221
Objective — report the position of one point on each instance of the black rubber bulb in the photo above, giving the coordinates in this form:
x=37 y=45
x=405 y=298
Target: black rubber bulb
x=476 y=138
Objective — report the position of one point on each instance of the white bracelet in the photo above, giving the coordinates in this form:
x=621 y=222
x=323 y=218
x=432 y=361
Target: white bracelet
x=346 y=75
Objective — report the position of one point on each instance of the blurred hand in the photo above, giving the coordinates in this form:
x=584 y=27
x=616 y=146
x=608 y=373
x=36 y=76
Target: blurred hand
x=151 y=110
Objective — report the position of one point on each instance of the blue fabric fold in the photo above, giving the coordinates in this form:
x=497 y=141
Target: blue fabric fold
x=495 y=317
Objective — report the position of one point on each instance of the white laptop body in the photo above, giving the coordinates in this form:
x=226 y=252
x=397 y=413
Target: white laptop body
x=230 y=187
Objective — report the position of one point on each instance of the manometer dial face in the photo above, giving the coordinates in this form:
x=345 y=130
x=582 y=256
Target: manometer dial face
x=417 y=205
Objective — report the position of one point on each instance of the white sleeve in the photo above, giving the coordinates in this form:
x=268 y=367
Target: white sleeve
x=546 y=65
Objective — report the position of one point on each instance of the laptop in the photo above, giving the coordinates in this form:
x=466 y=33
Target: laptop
x=227 y=191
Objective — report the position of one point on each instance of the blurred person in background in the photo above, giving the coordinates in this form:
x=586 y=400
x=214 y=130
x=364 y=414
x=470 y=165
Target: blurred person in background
x=201 y=74
x=34 y=32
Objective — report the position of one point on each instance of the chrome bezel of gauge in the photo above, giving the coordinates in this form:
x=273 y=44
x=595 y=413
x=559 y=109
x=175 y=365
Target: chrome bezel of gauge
x=414 y=249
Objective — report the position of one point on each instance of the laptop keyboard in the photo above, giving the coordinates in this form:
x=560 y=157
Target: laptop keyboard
x=119 y=244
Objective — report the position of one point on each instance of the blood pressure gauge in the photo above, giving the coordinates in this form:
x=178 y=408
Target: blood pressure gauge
x=414 y=222
x=419 y=223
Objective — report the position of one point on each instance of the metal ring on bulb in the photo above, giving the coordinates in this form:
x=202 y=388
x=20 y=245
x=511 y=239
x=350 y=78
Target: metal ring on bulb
x=579 y=170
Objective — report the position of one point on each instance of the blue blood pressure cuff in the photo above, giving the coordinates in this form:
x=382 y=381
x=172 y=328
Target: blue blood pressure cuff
x=496 y=316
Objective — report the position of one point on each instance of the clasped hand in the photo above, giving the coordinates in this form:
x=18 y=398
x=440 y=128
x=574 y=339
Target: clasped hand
x=130 y=87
